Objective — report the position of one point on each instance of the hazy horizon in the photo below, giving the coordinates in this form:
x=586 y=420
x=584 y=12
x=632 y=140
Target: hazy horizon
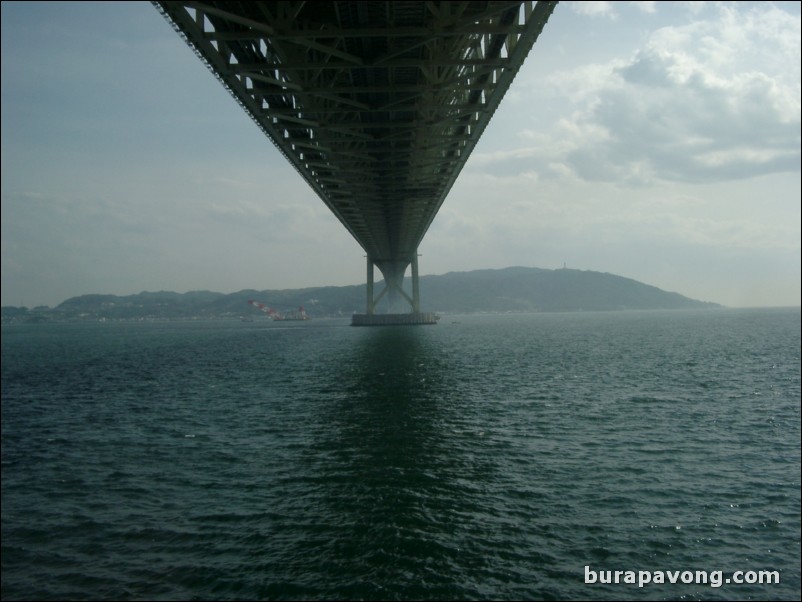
x=655 y=141
x=208 y=290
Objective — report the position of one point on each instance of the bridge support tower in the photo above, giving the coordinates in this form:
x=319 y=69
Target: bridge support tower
x=393 y=272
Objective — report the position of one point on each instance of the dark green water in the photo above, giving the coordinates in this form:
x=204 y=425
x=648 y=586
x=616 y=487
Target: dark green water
x=487 y=457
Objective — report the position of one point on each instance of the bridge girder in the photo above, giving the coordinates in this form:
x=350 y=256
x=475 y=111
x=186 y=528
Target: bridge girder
x=377 y=105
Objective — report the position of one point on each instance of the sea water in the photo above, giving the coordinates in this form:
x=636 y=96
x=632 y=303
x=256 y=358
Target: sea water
x=486 y=457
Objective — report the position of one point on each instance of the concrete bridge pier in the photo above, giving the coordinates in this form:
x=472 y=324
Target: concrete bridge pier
x=393 y=273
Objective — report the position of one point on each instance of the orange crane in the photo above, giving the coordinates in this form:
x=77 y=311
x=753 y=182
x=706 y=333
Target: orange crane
x=274 y=315
x=271 y=313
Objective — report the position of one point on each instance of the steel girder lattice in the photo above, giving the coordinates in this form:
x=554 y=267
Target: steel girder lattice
x=377 y=104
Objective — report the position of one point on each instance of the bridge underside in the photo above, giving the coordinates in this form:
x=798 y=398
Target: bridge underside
x=377 y=104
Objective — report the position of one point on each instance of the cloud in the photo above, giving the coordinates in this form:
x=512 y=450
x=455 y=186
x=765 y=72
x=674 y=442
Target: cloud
x=646 y=7
x=593 y=9
x=607 y=9
x=713 y=100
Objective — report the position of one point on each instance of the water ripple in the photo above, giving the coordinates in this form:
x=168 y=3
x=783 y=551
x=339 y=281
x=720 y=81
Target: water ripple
x=493 y=458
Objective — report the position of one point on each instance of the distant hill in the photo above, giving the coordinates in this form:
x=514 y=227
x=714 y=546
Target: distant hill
x=534 y=289
x=515 y=289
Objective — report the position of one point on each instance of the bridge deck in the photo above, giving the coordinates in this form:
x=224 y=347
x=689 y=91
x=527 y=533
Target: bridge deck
x=377 y=104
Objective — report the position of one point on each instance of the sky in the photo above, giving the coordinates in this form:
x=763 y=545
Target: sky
x=659 y=141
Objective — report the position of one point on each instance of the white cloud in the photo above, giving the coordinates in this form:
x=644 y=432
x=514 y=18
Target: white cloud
x=713 y=100
x=593 y=9
x=645 y=7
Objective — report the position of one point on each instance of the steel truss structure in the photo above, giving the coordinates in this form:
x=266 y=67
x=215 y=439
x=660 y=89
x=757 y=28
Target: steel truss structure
x=377 y=104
